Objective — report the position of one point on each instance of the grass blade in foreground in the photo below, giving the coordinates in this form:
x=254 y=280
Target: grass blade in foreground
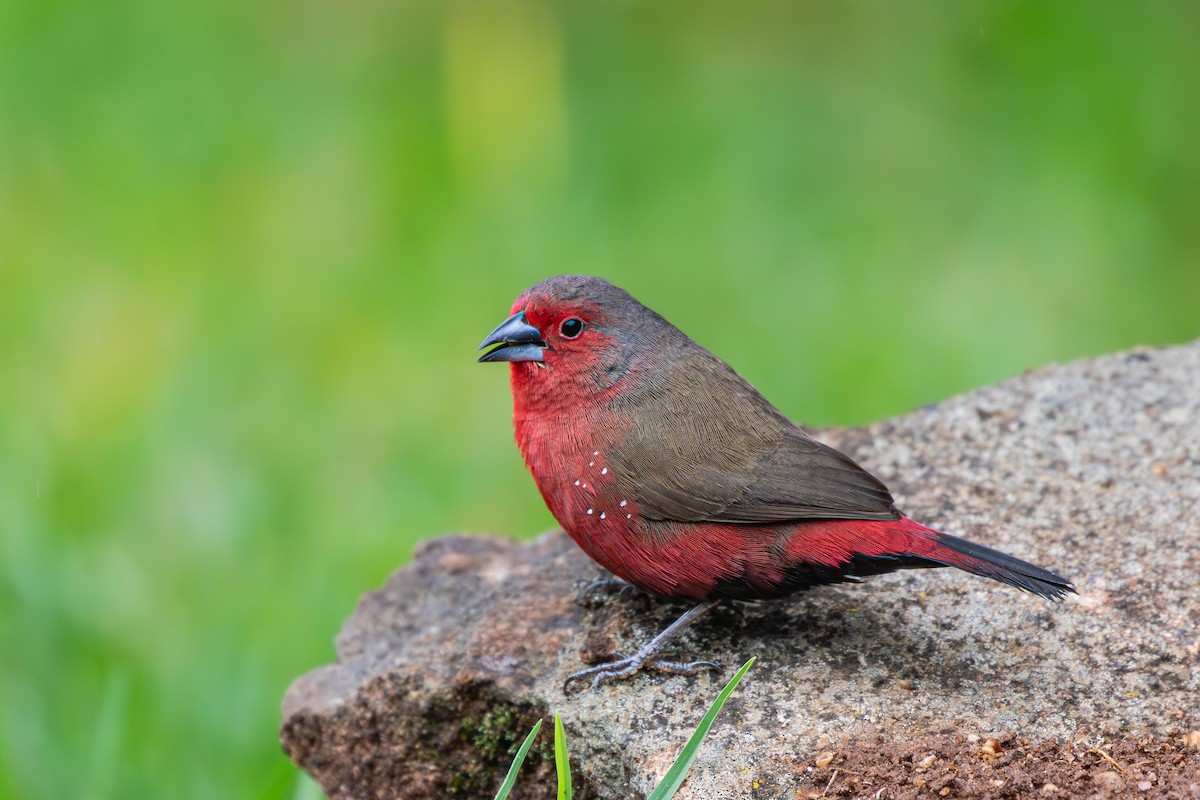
x=674 y=778
x=511 y=778
x=561 y=761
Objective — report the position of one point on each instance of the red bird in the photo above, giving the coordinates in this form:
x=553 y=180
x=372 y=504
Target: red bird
x=676 y=475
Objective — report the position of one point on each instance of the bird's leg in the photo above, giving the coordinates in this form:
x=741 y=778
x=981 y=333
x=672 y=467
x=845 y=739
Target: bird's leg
x=625 y=666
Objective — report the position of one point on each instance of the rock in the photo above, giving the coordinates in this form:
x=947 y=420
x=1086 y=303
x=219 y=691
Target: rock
x=1091 y=469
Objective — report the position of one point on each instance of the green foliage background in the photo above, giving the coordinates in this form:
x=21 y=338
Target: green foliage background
x=247 y=250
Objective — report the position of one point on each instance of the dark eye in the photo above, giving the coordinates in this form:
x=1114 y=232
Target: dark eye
x=571 y=327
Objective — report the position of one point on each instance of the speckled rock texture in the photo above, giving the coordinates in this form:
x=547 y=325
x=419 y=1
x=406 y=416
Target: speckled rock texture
x=1091 y=469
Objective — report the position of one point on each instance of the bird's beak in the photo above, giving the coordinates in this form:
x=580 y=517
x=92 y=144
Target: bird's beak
x=517 y=340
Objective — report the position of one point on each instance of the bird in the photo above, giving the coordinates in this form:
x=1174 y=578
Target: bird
x=676 y=475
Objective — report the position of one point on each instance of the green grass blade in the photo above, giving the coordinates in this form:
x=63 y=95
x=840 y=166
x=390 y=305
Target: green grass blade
x=561 y=761
x=674 y=778
x=511 y=778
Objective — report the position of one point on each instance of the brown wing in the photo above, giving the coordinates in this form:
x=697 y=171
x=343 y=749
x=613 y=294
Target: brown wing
x=708 y=447
x=804 y=479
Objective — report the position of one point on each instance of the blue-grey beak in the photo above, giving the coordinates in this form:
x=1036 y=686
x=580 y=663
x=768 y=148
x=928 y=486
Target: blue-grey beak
x=517 y=340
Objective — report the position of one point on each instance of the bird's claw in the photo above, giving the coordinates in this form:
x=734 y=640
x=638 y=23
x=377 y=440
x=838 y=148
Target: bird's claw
x=609 y=585
x=627 y=666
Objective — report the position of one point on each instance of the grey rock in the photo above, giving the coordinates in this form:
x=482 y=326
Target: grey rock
x=1091 y=469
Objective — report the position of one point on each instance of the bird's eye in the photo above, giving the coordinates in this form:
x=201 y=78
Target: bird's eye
x=571 y=327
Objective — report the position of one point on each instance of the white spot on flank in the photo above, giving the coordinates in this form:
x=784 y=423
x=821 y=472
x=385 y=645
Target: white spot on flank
x=604 y=471
x=602 y=515
x=595 y=452
x=591 y=463
x=624 y=503
x=589 y=510
x=576 y=483
x=629 y=516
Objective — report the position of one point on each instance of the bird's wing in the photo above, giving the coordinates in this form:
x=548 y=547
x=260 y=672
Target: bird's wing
x=804 y=479
x=713 y=449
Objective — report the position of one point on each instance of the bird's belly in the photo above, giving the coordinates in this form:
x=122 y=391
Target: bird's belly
x=674 y=559
x=695 y=561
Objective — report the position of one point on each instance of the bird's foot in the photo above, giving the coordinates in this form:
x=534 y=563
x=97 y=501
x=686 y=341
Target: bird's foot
x=623 y=667
x=590 y=594
x=647 y=656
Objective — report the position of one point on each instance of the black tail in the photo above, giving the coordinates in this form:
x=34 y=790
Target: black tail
x=989 y=563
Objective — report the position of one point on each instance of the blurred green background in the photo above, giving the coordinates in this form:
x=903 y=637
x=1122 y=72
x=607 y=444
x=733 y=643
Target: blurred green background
x=247 y=250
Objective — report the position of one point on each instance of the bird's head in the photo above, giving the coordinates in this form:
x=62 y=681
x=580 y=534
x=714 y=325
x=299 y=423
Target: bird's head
x=575 y=332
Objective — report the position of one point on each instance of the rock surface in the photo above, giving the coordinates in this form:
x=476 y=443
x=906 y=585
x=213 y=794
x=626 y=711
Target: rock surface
x=1091 y=469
